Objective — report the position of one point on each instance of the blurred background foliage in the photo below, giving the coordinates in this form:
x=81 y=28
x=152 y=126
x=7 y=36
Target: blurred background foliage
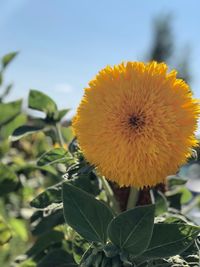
x=38 y=150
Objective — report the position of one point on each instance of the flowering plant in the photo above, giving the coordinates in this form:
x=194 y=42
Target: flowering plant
x=103 y=199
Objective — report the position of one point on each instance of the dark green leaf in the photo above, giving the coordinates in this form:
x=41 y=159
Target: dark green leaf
x=131 y=230
x=175 y=200
x=23 y=131
x=42 y=222
x=170 y=239
x=44 y=242
x=56 y=155
x=49 y=196
x=42 y=102
x=57 y=258
x=88 y=216
x=8 y=58
x=88 y=182
x=8 y=180
x=8 y=111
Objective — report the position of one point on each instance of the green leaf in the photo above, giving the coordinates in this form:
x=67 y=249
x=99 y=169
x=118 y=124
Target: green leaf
x=8 y=180
x=8 y=111
x=186 y=195
x=23 y=131
x=174 y=200
x=42 y=102
x=58 y=258
x=86 y=215
x=44 y=241
x=60 y=114
x=5 y=232
x=131 y=230
x=27 y=263
x=88 y=182
x=160 y=203
x=170 y=239
x=6 y=90
x=49 y=196
x=42 y=223
x=8 y=58
x=8 y=128
x=56 y=155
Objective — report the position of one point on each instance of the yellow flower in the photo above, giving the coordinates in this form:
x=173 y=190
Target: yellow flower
x=136 y=123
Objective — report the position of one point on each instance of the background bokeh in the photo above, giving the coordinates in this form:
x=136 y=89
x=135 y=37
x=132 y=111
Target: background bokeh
x=63 y=44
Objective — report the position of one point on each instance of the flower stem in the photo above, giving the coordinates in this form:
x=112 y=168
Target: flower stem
x=132 y=199
x=59 y=135
x=110 y=194
x=152 y=196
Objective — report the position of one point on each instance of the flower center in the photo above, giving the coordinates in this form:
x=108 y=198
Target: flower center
x=136 y=121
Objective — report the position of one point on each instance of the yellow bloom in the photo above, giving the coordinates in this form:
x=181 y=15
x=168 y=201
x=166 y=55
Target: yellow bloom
x=136 y=123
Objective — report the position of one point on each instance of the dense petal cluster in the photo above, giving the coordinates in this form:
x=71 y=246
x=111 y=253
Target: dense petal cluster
x=136 y=123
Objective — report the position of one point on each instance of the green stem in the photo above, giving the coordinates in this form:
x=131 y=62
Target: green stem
x=132 y=199
x=59 y=135
x=110 y=195
x=152 y=196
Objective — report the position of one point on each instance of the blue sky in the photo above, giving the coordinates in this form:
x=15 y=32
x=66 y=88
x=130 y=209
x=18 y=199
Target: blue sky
x=64 y=43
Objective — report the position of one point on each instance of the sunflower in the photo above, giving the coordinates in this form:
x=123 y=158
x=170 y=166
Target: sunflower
x=136 y=123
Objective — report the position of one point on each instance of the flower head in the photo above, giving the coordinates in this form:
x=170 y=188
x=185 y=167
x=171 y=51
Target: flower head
x=136 y=123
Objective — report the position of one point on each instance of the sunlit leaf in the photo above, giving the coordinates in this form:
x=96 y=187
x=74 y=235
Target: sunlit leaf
x=42 y=102
x=8 y=111
x=6 y=60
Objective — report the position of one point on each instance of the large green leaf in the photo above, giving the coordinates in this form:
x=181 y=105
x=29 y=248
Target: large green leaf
x=170 y=239
x=8 y=58
x=56 y=155
x=42 y=102
x=8 y=180
x=8 y=111
x=131 y=230
x=23 y=131
x=88 y=216
x=49 y=196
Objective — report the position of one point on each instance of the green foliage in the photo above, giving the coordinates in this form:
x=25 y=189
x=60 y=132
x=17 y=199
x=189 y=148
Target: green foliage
x=8 y=180
x=56 y=211
x=7 y=59
x=56 y=155
x=135 y=237
x=40 y=101
x=88 y=216
x=5 y=232
x=170 y=239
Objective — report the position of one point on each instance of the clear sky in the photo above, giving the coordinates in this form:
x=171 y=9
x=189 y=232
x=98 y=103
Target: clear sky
x=64 y=43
